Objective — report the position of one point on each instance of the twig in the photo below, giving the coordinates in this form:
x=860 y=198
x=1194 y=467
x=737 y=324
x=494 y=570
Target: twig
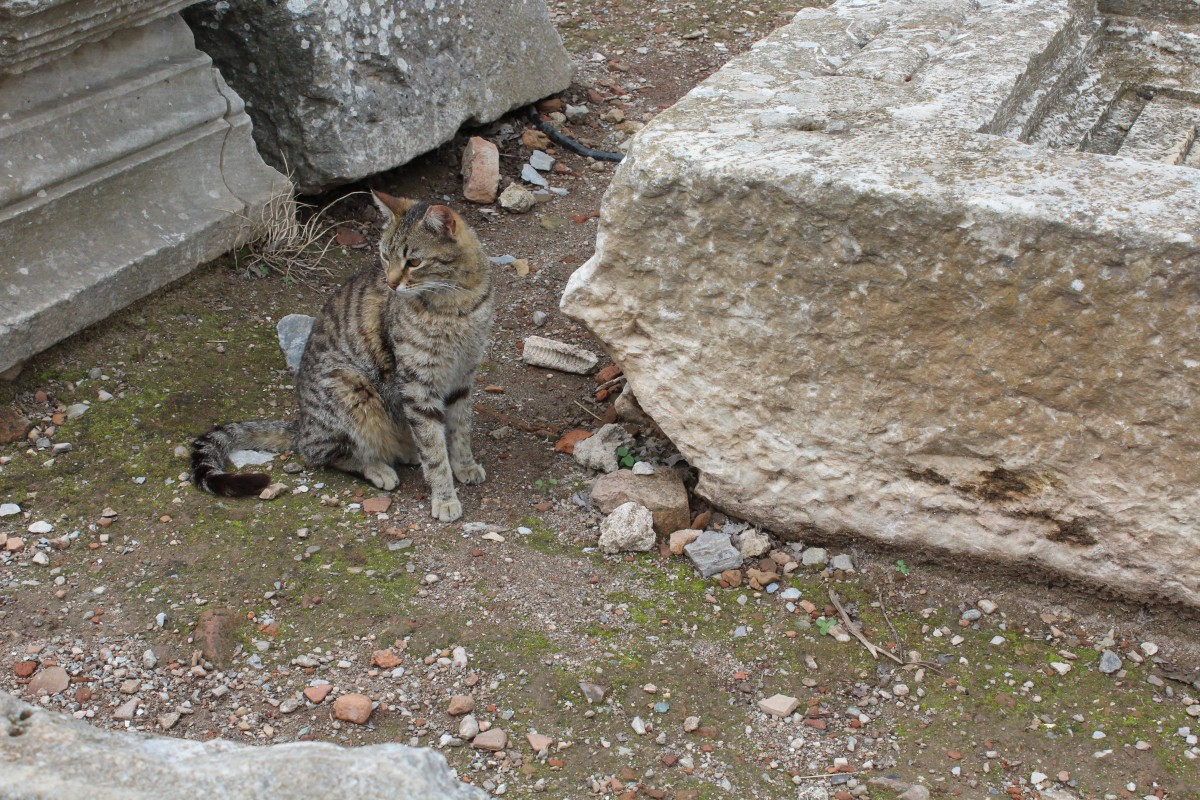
x=588 y=410
x=888 y=620
x=610 y=384
x=872 y=649
x=821 y=775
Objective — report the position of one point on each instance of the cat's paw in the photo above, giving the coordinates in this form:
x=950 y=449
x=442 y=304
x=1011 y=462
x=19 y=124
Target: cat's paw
x=446 y=509
x=470 y=474
x=382 y=476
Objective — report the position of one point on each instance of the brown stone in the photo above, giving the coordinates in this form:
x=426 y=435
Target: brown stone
x=538 y=742
x=551 y=104
x=316 y=694
x=51 y=680
x=461 y=704
x=662 y=492
x=567 y=443
x=216 y=634
x=480 y=170
x=13 y=426
x=816 y=724
x=353 y=707
x=385 y=659
x=760 y=578
x=607 y=374
x=376 y=505
x=14 y=543
x=492 y=739
x=535 y=140
x=681 y=539
x=84 y=694
x=732 y=577
x=24 y=669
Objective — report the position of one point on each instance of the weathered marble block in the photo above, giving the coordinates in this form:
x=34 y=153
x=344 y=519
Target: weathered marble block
x=927 y=273
x=340 y=90
x=124 y=163
x=48 y=754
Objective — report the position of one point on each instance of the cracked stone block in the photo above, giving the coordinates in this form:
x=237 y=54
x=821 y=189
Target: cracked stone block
x=49 y=754
x=339 y=91
x=940 y=268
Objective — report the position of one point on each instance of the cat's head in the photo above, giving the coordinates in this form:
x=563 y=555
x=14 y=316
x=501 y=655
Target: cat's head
x=425 y=247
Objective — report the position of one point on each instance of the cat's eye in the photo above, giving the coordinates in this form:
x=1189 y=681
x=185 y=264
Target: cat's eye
x=413 y=263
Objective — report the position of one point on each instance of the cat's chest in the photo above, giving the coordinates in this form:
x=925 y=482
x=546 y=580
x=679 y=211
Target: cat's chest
x=440 y=352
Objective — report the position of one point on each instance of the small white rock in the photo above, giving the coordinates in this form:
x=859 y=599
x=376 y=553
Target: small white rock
x=8 y=509
x=41 y=526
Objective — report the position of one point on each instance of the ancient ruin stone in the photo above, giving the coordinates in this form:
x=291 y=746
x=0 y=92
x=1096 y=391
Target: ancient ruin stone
x=628 y=529
x=128 y=162
x=46 y=754
x=924 y=301
x=343 y=90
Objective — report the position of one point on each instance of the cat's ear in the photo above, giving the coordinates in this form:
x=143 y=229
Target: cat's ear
x=391 y=207
x=441 y=220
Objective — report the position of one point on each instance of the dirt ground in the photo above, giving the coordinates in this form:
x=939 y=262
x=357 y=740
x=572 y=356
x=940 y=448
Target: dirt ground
x=1000 y=692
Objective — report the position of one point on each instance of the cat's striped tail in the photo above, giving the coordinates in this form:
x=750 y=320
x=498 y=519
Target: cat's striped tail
x=210 y=453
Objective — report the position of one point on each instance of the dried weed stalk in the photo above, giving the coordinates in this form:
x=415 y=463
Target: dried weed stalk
x=285 y=245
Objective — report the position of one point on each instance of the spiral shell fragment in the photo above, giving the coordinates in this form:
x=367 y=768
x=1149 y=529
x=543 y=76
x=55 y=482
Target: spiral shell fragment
x=542 y=352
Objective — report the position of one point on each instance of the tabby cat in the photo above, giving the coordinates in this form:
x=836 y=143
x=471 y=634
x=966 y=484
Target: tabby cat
x=387 y=372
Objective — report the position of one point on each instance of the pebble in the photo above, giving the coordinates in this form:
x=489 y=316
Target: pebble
x=997 y=640
x=972 y=614
x=681 y=539
x=813 y=556
x=493 y=739
x=638 y=725
x=531 y=175
x=40 y=527
x=643 y=468
x=353 y=707
x=539 y=318
x=541 y=161
x=842 y=562
x=790 y=593
x=127 y=710
x=41 y=559
x=1149 y=648
x=77 y=410
x=315 y=694
x=690 y=724
x=779 y=705
x=517 y=199
x=593 y=692
x=461 y=704
x=468 y=727
x=1061 y=667
x=8 y=509
x=1110 y=662
x=538 y=742
x=713 y=553
x=169 y=720
x=987 y=606
x=753 y=544
x=51 y=680
x=629 y=528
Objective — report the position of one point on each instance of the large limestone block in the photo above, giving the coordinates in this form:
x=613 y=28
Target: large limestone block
x=123 y=165
x=47 y=755
x=339 y=90
x=883 y=277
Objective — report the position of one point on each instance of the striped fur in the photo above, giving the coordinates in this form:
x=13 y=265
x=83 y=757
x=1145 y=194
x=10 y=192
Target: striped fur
x=388 y=368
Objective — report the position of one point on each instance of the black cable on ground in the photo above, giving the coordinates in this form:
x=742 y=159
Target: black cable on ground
x=558 y=138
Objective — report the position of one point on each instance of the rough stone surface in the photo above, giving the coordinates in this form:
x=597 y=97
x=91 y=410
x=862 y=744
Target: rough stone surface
x=50 y=680
x=13 y=426
x=492 y=739
x=517 y=199
x=35 y=33
x=342 y=90
x=713 y=553
x=599 y=451
x=353 y=707
x=917 y=311
x=56 y=756
x=129 y=162
x=480 y=170
x=778 y=705
x=681 y=539
x=293 y=331
x=662 y=492
x=753 y=544
x=628 y=529
x=216 y=634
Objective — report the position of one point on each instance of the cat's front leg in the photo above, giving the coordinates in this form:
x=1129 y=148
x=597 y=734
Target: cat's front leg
x=458 y=438
x=429 y=431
